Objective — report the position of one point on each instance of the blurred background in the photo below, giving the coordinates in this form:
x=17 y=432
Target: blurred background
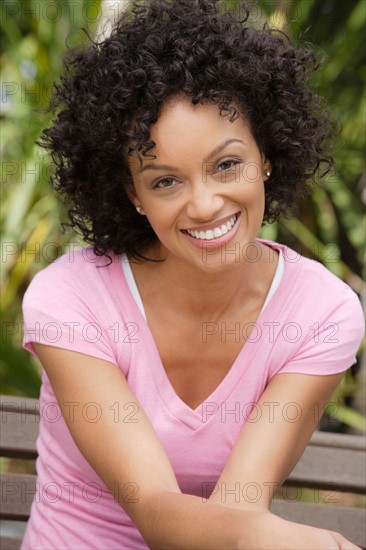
x=329 y=227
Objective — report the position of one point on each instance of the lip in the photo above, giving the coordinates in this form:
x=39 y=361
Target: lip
x=213 y=243
x=208 y=226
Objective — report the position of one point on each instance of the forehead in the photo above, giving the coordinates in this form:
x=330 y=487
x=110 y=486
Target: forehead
x=180 y=113
x=183 y=128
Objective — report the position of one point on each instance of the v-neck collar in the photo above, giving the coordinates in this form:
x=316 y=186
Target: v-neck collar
x=194 y=417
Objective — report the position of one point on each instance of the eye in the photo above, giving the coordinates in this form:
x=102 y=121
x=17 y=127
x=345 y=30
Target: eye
x=227 y=164
x=164 y=183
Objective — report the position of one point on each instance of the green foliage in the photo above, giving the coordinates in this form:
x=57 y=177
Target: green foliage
x=34 y=37
x=329 y=226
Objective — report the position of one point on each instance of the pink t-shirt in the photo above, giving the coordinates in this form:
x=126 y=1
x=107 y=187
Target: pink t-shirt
x=313 y=324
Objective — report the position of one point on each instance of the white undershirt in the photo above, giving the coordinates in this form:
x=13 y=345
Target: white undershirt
x=136 y=295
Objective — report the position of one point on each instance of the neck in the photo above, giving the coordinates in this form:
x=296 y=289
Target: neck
x=209 y=296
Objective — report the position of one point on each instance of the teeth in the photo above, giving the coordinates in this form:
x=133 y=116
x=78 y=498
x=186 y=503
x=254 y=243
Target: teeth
x=214 y=233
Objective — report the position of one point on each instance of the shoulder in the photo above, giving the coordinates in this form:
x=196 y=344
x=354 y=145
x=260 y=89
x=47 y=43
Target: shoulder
x=322 y=321
x=78 y=268
x=75 y=278
x=322 y=289
x=307 y=274
x=73 y=303
x=309 y=289
x=80 y=261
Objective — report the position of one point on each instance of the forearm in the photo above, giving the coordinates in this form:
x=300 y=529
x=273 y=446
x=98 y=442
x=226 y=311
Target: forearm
x=184 y=522
x=271 y=443
x=248 y=495
x=179 y=521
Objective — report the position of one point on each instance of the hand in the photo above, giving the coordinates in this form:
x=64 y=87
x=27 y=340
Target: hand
x=278 y=534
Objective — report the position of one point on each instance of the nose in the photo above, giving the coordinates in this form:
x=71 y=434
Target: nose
x=204 y=201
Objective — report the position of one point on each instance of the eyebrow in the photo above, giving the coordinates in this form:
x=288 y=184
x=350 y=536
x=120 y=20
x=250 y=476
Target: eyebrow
x=206 y=159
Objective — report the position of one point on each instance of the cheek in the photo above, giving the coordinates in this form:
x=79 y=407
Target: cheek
x=252 y=172
x=252 y=192
x=251 y=178
x=161 y=218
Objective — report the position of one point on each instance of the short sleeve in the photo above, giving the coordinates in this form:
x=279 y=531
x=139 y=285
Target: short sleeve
x=61 y=310
x=332 y=340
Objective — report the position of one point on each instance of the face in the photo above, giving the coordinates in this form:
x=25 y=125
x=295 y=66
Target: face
x=205 y=188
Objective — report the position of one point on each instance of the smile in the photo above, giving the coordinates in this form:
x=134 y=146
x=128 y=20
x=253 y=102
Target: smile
x=215 y=232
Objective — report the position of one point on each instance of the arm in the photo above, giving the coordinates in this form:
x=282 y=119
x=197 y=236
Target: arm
x=164 y=516
x=265 y=453
x=267 y=450
x=270 y=444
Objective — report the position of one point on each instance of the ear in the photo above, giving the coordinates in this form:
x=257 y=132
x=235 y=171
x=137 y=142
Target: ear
x=130 y=186
x=131 y=193
x=266 y=167
x=130 y=190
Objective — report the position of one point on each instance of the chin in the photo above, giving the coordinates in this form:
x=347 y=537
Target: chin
x=219 y=262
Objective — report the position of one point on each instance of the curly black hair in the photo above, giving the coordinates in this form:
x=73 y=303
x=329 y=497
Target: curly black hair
x=112 y=91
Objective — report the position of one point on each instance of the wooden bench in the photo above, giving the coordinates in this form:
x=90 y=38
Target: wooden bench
x=332 y=463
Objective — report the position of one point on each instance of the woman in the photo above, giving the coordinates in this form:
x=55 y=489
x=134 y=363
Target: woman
x=185 y=354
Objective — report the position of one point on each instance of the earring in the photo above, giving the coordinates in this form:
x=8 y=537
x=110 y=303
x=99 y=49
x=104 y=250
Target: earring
x=268 y=173
x=139 y=209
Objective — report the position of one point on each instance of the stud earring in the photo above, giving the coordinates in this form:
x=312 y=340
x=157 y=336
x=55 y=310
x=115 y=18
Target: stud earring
x=139 y=209
x=268 y=173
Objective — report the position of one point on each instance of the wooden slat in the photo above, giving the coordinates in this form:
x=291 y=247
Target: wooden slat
x=17 y=491
x=10 y=543
x=14 y=403
x=341 y=441
x=19 y=423
x=351 y=522
x=330 y=461
x=330 y=468
x=18 y=434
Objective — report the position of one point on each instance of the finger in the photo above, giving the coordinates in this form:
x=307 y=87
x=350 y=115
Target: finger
x=346 y=544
